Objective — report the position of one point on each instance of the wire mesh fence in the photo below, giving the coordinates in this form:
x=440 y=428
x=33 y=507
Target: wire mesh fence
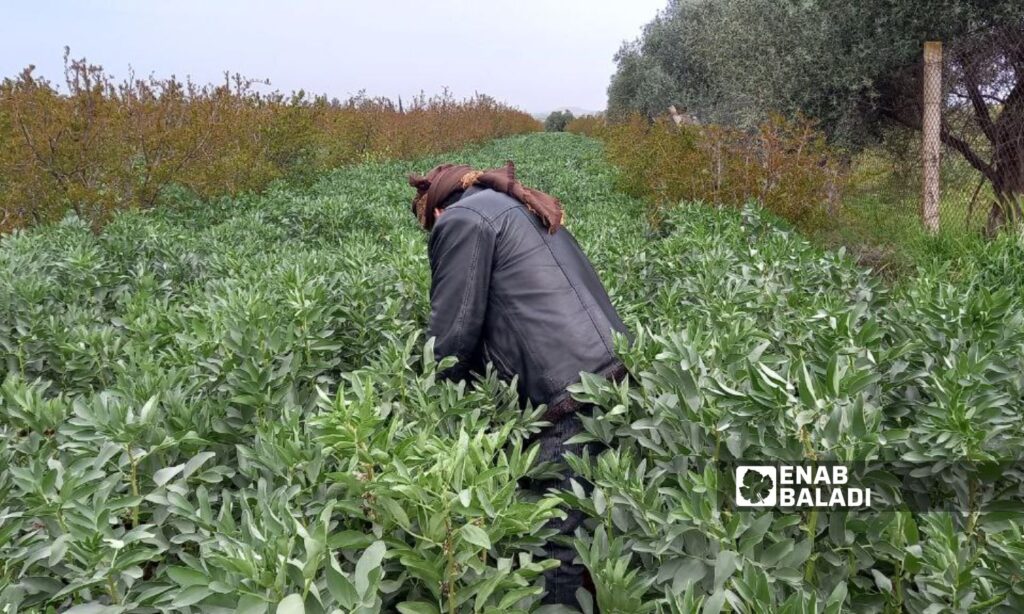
x=960 y=169
x=983 y=125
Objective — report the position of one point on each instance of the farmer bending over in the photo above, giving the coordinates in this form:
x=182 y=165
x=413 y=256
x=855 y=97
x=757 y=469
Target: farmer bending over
x=510 y=286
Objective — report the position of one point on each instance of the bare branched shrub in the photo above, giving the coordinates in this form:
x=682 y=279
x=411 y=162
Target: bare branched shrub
x=785 y=165
x=101 y=145
x=587 y=125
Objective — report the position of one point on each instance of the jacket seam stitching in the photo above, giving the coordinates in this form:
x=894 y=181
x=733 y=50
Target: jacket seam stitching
x=578 y=297
x=460 y=204
x=497 y=360
x=515 y=327
x=465 y=295
x=480 y=215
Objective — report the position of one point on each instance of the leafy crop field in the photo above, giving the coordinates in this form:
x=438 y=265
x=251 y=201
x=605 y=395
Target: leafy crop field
x=229 y=406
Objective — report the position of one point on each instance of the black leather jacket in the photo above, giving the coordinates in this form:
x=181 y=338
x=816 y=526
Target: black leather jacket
x=504 y=290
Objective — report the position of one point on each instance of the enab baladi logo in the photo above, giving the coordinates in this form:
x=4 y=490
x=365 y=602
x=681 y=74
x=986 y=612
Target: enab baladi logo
x=825 y=486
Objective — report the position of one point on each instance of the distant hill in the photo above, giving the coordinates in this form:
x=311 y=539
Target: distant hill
x=576 y=111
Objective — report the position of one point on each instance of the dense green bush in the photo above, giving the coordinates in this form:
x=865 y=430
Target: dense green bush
x=229 y=406
x=556 y=121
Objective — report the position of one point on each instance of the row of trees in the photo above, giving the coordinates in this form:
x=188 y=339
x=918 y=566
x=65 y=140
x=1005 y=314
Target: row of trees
x=854 y=66
x=98 y=145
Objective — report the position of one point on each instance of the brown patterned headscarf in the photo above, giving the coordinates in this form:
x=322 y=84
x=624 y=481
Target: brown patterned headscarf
x=444 y=180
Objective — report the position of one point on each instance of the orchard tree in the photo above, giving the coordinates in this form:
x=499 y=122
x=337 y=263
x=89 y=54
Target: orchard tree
x=556 y=121
x=641 y=84
x=854 y=66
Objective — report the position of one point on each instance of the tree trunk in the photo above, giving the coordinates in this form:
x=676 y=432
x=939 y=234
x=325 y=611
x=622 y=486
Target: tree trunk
x=1006 y=208
x=1008 y=166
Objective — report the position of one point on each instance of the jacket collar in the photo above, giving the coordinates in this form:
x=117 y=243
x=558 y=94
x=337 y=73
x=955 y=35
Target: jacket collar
x=457 y=196
x=471 y=190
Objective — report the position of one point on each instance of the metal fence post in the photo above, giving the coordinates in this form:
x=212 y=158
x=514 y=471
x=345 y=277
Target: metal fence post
x=931 y=126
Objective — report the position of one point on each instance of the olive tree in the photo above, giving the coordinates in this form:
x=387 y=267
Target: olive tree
x=556 y=121
x=854 y=66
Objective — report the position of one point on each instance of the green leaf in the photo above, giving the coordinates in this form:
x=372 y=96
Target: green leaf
x=857 y=426
x=249 y=604
x=726 y=564
x=837 y=528
x=600 y=502
x=58 y=549
x=688 y=387
x=147 y=413
x=486 y=588
x=349 y=539
x=836 y=599
x=691 y=571
x=195 y=462
x=292 y=604
x=832 y=375
x=476 y=536
x=167 y=474
x=186 y=576
x=772 y=554
x=395 y=510
x=806 y=387
x=798 y=555
x=754 y=533
x=714 y=603
x=93 y=608
x=368 y=562
x=417 y=607
x=341 y=587
x=191 y=596
x=883 y=583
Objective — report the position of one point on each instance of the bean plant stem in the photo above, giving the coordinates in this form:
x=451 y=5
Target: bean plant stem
x=135 y=484
x=450 y=566
x=112 y=588
x=812 y=531
x=111 y=584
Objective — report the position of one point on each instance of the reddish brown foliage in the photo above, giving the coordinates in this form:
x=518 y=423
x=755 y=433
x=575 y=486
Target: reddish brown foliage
x=587 y=125
x=102 y=146
x=785 y=165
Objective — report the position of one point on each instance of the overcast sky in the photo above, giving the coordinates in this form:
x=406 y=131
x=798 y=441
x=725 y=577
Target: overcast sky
x=534 y=54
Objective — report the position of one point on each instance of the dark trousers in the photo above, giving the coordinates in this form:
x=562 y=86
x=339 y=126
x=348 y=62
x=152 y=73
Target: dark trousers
x=561 y=583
